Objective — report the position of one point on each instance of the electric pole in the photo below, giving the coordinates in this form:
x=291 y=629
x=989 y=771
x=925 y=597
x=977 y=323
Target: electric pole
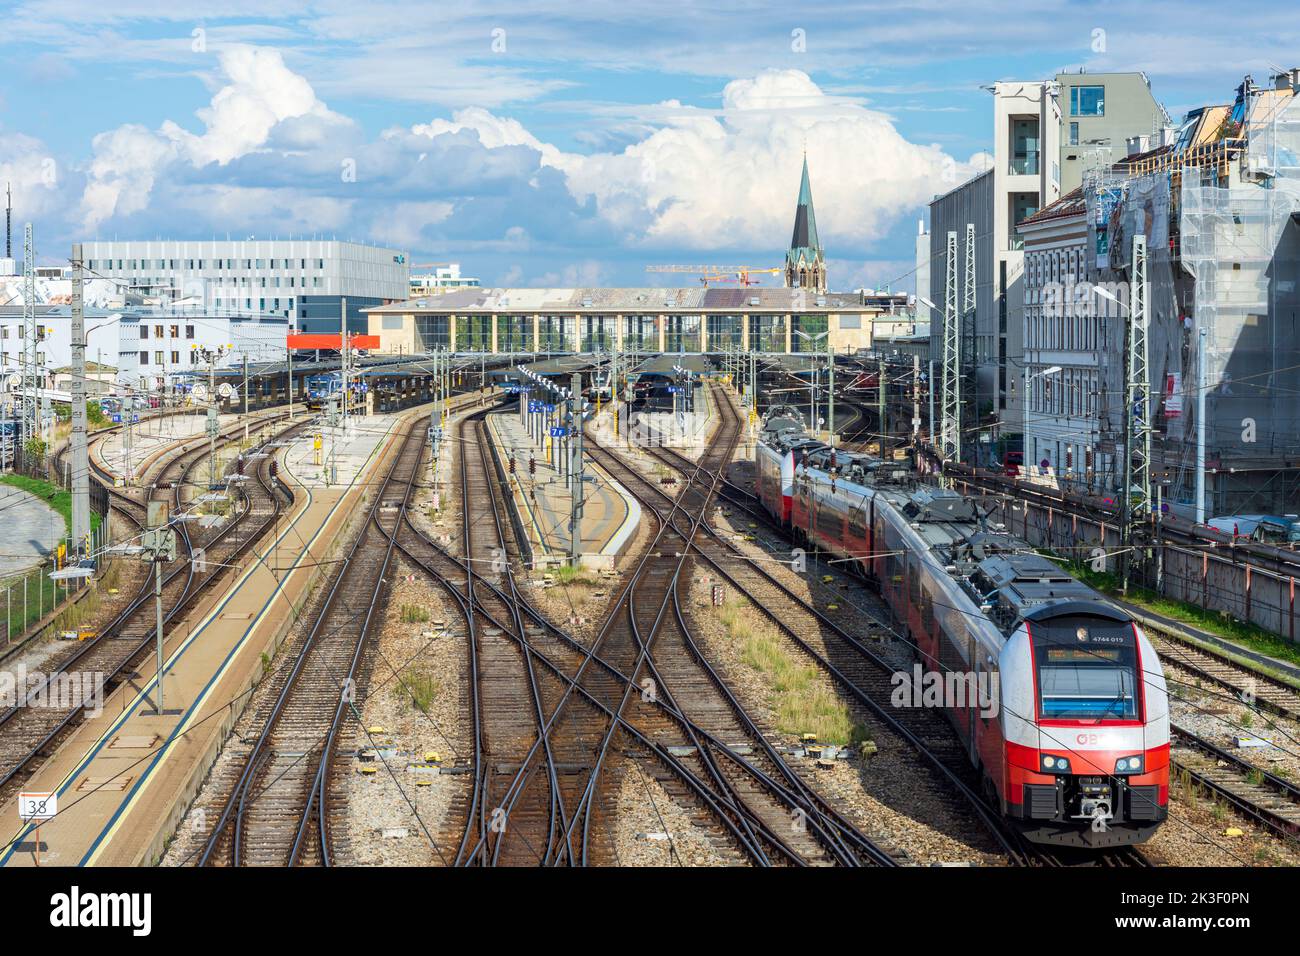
x=288 y=352
x=916 y=401
x=80 y=456
x=575 y=470
x=28 y=333
x=967 y=353
x=1135 y=512
x=159 y=547
x=830 y=389
x=950 y=444
x=344 y=370
x=881 y=400
x=1200 y=425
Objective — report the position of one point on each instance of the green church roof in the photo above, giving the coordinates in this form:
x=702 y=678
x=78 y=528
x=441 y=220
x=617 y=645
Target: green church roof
x=804 y=238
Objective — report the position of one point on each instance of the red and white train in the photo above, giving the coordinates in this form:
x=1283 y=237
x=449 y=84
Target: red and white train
x=1056 y=694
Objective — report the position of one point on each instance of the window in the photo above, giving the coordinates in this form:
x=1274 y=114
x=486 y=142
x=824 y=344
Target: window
x=175 y=331
x=1074 y=134
x=1087 y=101
x=144 y=331
x=144 y=358
x=176 y=358
x=194 y=358
x=189 y=331
x=157 y=358
x=1024 y=147
x=157 y=331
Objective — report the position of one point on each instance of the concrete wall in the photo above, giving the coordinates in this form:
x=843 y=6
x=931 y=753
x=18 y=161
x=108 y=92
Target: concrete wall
x=1130 y=110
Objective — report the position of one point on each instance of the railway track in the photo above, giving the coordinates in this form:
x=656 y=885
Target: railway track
x=29 y=733
x=554 y=807
x=642 y=677
x=280 y=811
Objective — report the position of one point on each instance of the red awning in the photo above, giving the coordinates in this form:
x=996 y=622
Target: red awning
x=331 y=341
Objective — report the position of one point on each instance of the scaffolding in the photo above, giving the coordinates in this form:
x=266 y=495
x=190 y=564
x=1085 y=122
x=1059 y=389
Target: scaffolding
x=1239 y=245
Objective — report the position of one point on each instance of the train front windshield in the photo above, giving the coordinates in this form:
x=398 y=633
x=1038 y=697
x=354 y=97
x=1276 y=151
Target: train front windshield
x=1087 y=670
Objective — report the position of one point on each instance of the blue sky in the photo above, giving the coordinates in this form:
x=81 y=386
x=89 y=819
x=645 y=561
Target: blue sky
x=554 y=143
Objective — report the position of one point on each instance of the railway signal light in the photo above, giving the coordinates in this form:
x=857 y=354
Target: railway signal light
x=512 y=464
x=532 y=465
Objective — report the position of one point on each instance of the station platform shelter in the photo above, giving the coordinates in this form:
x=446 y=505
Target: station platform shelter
x=707 y=319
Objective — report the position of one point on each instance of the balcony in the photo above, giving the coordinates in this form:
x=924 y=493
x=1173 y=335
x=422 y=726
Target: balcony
x=1024 y=165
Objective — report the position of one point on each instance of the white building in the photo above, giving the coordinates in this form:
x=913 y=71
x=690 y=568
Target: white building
x=146 y=346
x=444 y=277
x=154 y=347
x=1065 y=332
x=304 y=280
x=1023 y=178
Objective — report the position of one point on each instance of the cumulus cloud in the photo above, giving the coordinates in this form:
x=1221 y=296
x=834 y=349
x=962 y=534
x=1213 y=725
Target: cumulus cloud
x=268 y=155
x=262 y=93
x=493 y=131
x=33 y=173
x=728 y=178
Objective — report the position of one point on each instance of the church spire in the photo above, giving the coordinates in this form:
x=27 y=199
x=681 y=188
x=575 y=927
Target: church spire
x=805 y=263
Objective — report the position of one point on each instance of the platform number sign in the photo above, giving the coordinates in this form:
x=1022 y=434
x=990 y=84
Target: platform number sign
x=37 y=806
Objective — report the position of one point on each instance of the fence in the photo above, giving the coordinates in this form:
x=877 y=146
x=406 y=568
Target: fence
x=1216 y=579
x=30 y=596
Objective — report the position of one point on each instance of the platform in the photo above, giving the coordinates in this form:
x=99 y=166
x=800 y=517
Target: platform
x=325 y=456
x=610 y=515
x=686 y=431
x=124 y=778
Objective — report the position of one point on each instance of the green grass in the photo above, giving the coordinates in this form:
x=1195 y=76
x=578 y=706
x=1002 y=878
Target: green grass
x=54 y=496
x=1219 y=623
x=414 y=614
x=567 y=574
x=420 y=690
x=802 y=703
x=42 y=593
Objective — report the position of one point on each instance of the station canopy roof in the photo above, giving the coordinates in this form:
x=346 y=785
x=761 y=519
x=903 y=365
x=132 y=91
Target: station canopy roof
x=643 y=301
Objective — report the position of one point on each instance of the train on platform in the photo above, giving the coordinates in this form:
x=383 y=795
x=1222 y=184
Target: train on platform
x=1056 y=694
x=327 y=385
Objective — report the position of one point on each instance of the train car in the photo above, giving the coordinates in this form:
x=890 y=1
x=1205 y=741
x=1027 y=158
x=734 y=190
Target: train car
x=1057 y=696
x=782 y=440
x=322 y=387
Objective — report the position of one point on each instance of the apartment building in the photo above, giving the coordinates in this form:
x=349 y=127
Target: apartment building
x=1066 y=327
x=1032 y=125
x=1100 y=112
x=301 y=280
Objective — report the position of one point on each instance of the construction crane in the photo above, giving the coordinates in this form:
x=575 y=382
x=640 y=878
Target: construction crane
x=707 y=274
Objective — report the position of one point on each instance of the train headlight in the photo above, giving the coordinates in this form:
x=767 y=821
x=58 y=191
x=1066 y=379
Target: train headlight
x=1134 y=764
x=1052 y=764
